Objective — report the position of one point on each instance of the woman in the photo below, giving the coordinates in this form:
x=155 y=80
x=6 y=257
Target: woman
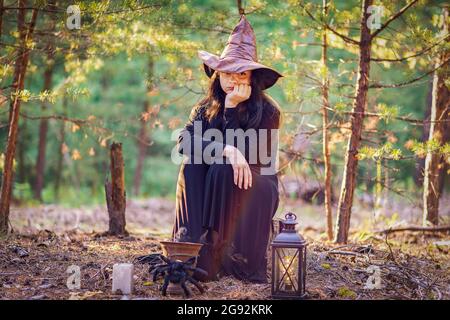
x=226 y=198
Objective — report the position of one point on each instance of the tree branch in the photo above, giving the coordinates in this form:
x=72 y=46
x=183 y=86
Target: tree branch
x=63 y=9
x=411 y=56
x=414 y=228
x=401 y=118
x=403 y=84
x=56 y=117
x=392 y=18
x=328 y=27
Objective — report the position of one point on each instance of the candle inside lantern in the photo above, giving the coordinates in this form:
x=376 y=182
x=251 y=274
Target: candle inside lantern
x=123 y=278
x=289 y=269
x=288 y=274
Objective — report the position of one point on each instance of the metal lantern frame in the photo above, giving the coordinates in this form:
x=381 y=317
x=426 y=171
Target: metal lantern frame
x=288 y=270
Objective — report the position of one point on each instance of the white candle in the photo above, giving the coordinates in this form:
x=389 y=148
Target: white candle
x=123 y=278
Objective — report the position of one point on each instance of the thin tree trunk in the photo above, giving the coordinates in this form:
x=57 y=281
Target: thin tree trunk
x=43 y=129
x=325 y=107
x=377 y=209
x=62 y=139
x=240 y=7
x=435 y=162
x=359 y=107
x=2 y=10
x=420 y=164
x=18 y=85
x=43 y=125
x=115 y=192
x=144 y=139
x=142 y=151
x=22 y=171
x=20 y=54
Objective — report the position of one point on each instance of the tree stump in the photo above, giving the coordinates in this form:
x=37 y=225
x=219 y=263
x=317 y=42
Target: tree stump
x=115 y=193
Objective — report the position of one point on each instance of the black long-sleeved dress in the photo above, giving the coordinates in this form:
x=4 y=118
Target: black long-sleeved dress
x=234 y=224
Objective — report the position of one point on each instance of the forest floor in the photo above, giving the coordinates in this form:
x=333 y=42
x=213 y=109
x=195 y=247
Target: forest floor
x=34 y=260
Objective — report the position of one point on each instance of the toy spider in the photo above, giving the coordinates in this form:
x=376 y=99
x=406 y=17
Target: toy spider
x=176 y=272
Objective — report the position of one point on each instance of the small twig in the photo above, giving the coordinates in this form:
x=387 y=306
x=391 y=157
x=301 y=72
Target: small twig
x=391 y=253
x=403 y=84
x=345 y=253
x=9 y=273
x=415 y=228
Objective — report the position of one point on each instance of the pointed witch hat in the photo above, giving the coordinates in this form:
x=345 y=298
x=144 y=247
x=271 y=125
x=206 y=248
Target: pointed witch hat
x=240 y=55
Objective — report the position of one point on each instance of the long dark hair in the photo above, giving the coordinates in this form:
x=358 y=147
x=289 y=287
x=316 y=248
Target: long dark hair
x=250 y=112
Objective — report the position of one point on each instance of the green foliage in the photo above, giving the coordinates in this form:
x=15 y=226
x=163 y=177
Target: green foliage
x=102 y=72
x=387 y=151
x=430 y=146
x=387 y=113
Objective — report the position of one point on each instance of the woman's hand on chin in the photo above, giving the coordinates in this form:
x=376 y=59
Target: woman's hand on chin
x=241 y=169
x=241 y=92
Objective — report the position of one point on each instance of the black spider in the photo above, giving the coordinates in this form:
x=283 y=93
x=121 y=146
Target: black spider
x=176 y=272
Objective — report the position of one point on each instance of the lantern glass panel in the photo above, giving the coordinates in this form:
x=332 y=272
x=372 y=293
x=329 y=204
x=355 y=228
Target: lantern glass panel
x=286 y=273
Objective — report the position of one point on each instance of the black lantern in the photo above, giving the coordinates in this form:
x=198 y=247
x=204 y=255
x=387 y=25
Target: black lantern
x=288 y=261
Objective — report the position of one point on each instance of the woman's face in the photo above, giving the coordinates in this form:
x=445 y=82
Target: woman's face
x=229 y=80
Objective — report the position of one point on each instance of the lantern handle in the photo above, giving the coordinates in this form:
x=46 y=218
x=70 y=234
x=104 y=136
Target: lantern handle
x=287 y=216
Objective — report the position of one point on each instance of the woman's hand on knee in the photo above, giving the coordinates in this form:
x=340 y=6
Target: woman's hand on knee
x=241 y=169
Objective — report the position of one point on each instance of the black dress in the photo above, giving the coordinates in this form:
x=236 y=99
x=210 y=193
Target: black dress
x=233 y=224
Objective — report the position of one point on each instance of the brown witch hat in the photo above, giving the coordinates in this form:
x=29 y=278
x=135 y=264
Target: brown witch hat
x=240 y=55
